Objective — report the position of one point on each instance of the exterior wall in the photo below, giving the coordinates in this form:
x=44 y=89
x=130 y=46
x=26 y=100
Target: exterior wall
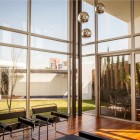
x=87 y=81
x=43 y=85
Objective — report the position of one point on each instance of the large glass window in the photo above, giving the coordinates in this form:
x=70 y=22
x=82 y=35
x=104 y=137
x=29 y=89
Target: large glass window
x=115 y=45
x=88 y=6
x=48 y=44
x=13 y=38
x=137 y=15
x=12 y=78
x=115 y=21
x=50 y=18
x=49 y=78
x=13 y=14
x=137 y=85
x=137 y=42
x=88 y=49
x=88 y=84
x=115 y=86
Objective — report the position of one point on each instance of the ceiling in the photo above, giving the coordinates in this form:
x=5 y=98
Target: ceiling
x=119 y=8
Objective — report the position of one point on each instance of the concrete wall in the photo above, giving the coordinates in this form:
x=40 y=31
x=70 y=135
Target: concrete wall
x=43 y=85
x=87 y=81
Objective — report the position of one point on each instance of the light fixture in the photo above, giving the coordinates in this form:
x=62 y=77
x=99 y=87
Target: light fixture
x=99 y=8
x=86 y=33
x=83 y=17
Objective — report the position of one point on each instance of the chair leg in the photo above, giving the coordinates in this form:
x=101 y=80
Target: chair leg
x=11 y=134
x=55 y=127
x=39 y=133
x=3 y=136
x=47 y=131
x=31 y=134
x=115 y=111
x=23 y=133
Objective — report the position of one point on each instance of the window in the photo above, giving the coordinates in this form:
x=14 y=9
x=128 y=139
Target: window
x=13 y=14
x=115 y=86
x=137 y=42
x=115 y=21
x=12 y=74
x=137 y=15
x=49 y=78
x=88 y=6
x=13 y=38
x=88 y=49
x=115 y=45
x=88 y=84
x=50 y=18
x=48 y=44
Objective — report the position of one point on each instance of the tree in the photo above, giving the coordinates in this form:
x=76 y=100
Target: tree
x=4 y=81
x=118 y=72
x=9 y=77
x=138 y=76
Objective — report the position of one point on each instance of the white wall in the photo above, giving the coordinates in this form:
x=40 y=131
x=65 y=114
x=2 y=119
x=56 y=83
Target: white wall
x=43 y=85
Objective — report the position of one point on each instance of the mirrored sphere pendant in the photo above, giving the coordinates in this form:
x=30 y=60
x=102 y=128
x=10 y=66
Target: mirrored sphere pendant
x=99 y=8
x=83 y=17
x=86 y=33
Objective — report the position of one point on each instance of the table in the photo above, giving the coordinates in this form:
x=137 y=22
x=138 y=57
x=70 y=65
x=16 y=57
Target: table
x=71 y=137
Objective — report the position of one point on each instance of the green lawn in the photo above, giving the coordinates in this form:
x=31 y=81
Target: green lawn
x=62 y=104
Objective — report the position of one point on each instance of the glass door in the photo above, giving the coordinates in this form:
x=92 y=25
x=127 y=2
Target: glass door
x=115 y=86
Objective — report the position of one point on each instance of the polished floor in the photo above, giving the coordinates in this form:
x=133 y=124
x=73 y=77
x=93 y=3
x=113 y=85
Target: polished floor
x=114 y=129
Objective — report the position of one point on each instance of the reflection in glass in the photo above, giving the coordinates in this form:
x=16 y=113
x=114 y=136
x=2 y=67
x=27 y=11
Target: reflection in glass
x=115 y=45
x=13 y=14
x=48 y=44
x=13 y=38
x=49 y=78
x=137 y=15
x=13 y=77
x=50 y=18
x=115 y=21
x=88 y=81
x=115 y=87
x=137 y=85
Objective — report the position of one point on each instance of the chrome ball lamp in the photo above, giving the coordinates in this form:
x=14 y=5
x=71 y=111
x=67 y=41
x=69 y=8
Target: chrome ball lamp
x=86 y=33
x=83 y=17
x=99 y=8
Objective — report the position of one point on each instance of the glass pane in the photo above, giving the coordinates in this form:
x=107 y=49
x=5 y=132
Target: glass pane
x=115 y=21
x=137 y=42
x=12 y=77
x=49 y=78
x=13 y=14
x=87 y=6
x=137 y=15
x=13 y=38
x=115 y=87
x=137 y=85
x=48 y=44
x=90 y=49
x=50 y=18
x=88 y=90
x=115 y=45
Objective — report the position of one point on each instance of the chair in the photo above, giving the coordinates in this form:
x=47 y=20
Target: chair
x=119 y=104
x=123 y=104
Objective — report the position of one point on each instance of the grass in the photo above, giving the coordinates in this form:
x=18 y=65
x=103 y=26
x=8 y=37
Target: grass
x=61 y=103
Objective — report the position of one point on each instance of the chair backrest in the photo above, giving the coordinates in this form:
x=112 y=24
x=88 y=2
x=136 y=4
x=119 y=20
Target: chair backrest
x=14 y=113
x=43 y=108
